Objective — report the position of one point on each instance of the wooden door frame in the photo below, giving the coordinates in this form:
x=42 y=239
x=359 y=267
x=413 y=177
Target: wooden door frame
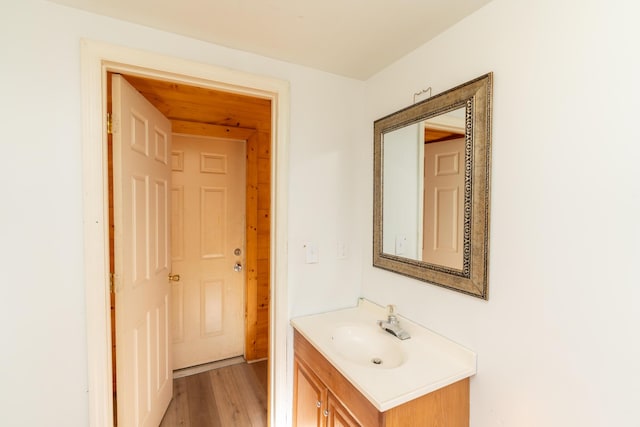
x=96 y=60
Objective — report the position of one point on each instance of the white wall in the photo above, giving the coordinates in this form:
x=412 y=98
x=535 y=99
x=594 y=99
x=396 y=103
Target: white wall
x=402 y=177
x=43 y=371
x=557 y=341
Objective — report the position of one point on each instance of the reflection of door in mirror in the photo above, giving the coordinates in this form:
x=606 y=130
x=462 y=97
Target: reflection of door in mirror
x=444 y=186
x=444 y=190
x=423 y=201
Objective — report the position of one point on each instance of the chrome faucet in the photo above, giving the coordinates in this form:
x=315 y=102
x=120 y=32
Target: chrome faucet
x=392 y=325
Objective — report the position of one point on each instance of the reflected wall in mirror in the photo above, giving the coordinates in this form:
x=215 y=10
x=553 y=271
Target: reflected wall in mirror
x=431 y=189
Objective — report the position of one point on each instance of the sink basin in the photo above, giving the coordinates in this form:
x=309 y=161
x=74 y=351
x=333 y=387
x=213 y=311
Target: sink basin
x=367 y=346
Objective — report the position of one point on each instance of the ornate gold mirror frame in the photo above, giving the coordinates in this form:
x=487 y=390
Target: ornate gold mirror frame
x=471 y=275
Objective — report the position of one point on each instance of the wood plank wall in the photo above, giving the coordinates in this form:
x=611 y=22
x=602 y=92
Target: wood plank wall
x=264 y=244
x=112 y=296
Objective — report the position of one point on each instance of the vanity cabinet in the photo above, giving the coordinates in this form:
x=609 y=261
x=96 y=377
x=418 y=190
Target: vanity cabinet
x=323 y=397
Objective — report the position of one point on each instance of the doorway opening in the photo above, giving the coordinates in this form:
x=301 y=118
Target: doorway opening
x=96 y=60
x=208 y=118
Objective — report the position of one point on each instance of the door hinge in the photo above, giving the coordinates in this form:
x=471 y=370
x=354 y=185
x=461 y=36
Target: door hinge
x=109 y=124
x=111 y=282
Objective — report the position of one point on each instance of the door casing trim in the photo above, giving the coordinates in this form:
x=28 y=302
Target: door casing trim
x=96 y=59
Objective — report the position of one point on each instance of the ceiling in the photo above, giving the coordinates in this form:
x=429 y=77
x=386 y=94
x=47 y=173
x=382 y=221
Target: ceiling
x=184 y=103
x=353 y=38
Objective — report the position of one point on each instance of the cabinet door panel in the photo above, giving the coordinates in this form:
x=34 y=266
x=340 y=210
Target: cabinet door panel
x=309 y=393
x=338 y=415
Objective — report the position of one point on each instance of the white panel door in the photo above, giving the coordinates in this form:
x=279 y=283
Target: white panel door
x=142 y=179
x=208 y=241
x=443 y=203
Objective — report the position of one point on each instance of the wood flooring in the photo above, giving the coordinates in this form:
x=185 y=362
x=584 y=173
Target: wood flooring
x=230 y=396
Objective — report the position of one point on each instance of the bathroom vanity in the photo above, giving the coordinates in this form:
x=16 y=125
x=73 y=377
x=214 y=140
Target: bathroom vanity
x=349 y=372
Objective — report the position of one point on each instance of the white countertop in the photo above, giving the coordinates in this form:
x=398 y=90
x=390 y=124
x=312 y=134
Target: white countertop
x=431 y=361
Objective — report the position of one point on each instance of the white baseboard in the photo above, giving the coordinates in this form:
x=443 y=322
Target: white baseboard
x=192 y=370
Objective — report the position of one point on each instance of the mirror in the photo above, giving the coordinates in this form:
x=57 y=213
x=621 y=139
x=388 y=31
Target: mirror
x=431 y=189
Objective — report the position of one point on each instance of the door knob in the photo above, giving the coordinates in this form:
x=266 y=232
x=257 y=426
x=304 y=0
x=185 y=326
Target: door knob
x=174 y=277
x=237 y=267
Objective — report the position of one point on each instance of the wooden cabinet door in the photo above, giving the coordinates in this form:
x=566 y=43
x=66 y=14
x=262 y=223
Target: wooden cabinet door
x=338 y=416
x=308 y=395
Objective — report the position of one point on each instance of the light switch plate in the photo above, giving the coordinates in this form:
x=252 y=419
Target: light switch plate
x=401 y=243
x=341 y=249
x=311 y=253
